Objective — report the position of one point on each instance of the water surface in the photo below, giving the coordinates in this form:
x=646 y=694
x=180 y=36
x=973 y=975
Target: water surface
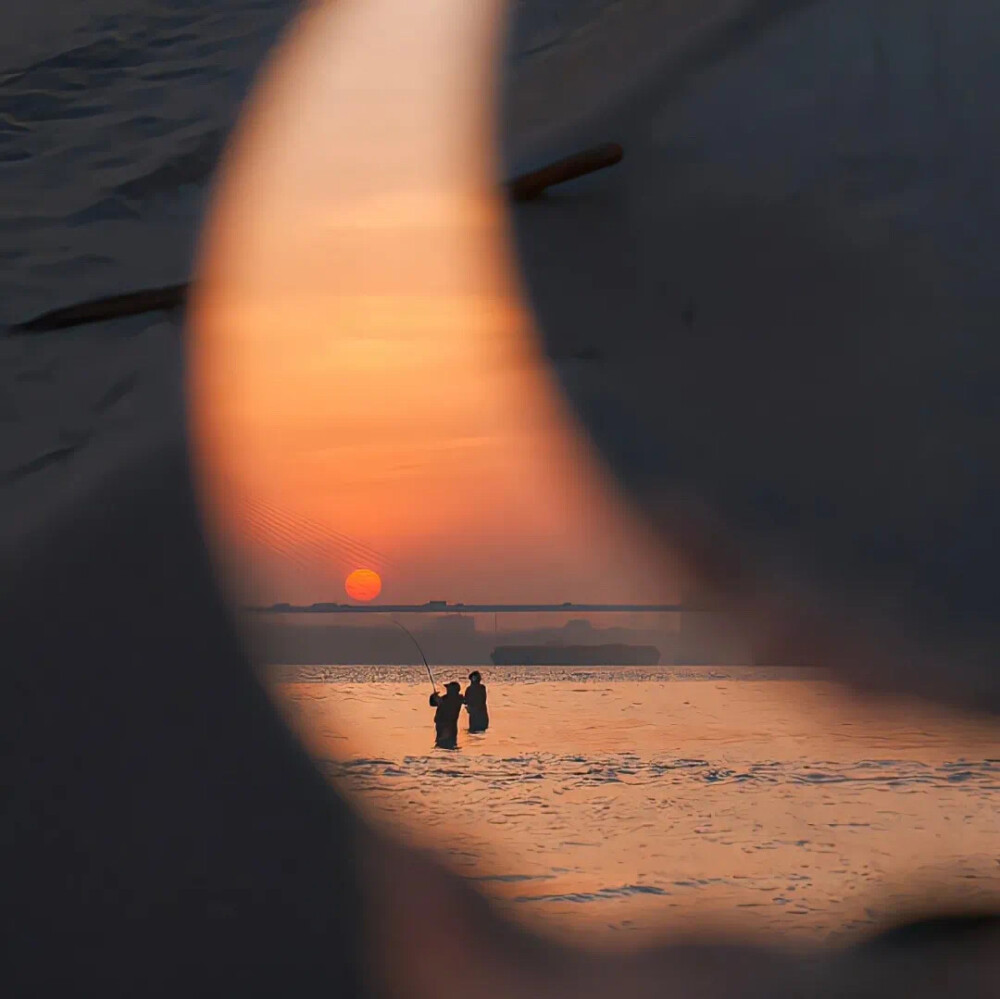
x=613 y=801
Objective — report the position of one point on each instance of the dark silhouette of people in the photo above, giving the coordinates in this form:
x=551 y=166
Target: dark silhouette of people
x=475 y=703
x=449 y=707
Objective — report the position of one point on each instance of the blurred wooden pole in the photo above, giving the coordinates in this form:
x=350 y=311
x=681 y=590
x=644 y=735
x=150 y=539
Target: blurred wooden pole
x=529 y=186
x=133 y=303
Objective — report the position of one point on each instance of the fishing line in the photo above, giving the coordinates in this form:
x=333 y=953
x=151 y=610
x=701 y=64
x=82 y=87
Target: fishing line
x=420 y=650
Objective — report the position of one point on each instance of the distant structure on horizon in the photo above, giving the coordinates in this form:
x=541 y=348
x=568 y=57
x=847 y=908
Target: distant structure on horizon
x=443 y=607
x=451 y=637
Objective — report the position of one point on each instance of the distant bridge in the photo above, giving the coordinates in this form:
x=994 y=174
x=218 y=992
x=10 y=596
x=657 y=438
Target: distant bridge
x=443 y=607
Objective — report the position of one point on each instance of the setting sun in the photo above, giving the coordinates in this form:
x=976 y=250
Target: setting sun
x=363 y=585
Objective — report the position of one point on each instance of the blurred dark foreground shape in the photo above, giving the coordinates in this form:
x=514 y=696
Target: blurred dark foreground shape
x=791 y=289
x=525 y=187
x=792 y=281
x=166 y=836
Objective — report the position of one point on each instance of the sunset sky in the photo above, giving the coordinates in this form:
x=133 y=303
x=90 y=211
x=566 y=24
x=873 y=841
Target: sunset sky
x=363 y=364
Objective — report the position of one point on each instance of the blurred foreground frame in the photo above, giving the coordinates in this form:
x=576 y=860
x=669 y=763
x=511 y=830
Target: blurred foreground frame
x=788 y=297
x=146 y=865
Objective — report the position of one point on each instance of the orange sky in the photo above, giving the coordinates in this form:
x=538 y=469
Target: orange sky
x=361 y=356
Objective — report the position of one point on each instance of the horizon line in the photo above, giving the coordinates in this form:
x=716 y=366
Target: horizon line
x=443 y=607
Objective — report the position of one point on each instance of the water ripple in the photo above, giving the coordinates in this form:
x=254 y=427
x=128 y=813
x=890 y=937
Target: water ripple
x=566 y=771
x=599 y=895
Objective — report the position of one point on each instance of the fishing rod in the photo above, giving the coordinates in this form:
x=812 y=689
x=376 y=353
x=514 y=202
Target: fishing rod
x=420 y=650
x=527 y=187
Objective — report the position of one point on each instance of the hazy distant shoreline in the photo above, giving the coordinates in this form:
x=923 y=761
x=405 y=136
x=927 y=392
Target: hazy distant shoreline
x=459 y=639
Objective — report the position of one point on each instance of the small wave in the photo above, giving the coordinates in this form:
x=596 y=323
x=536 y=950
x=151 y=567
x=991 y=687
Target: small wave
x=574 y=771
x=624 y=891
x=508 y=878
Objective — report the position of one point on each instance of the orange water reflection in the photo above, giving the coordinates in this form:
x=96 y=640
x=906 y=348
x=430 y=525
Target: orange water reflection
x=606 y=805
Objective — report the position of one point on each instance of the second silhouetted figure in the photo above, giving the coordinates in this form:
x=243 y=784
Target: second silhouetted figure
x=475 y=703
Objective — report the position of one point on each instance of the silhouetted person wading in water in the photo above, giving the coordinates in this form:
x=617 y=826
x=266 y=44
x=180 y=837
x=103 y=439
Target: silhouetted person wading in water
x=475 y=703
x=449 y=706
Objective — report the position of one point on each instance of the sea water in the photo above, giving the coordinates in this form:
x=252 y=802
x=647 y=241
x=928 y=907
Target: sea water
x=613 y=803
